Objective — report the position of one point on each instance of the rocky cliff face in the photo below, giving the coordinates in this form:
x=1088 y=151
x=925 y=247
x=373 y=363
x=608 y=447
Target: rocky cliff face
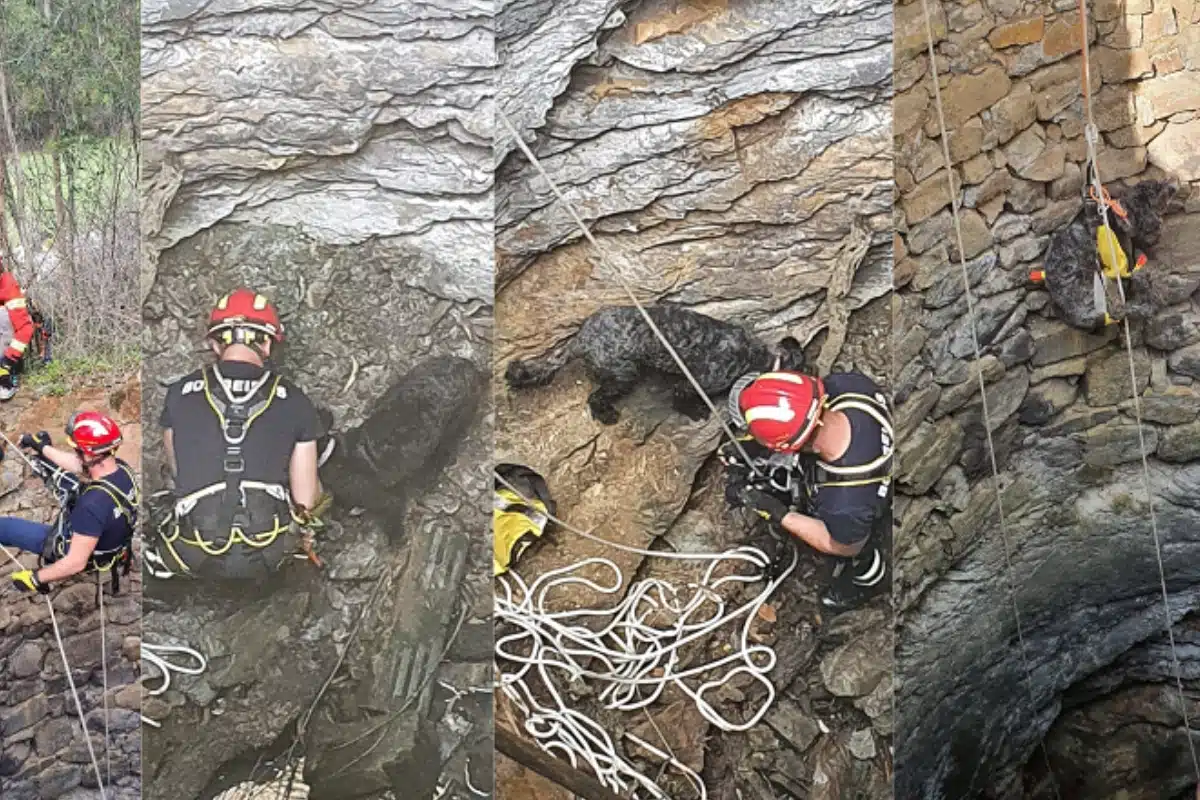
x=1084 y=573
x=723 y=153
x=42 y=752
x=335 y=157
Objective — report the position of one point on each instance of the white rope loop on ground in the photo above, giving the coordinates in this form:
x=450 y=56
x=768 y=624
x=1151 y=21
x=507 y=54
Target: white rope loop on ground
x=156 y=656
x=1092 y=137
x=987 y=425
x=629 y=659
x=628 y=654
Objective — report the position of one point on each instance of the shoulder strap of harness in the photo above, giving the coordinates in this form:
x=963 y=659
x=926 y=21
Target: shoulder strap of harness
x=127 y=504
x=236 y=413
x=878 y=469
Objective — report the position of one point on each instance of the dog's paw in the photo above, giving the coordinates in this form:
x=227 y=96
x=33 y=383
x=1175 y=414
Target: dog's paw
x=517 y=374
x=605 y=415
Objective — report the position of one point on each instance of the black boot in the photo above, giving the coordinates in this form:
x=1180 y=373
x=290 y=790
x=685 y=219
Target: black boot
x=856 y=580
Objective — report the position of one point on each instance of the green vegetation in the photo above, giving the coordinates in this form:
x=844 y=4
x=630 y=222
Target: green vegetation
x=71 y=68
x=69 y=106
x=64 y=375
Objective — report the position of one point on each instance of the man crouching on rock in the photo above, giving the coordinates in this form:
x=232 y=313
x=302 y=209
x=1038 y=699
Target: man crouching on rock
x=94 y=529
x=823 y=450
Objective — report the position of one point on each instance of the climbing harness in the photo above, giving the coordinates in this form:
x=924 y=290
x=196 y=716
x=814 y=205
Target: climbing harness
x=157 y=655
x=877 y=470
x=802 y=476
x=246 y=512
x=67 y=489
x=630 y=653
x=1114 y=248
x=587 y=233
x=116 y=560
x=1092 y=136
x=987 y=426
x=87 y=739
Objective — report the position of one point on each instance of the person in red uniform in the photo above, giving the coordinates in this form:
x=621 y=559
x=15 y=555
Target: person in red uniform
x=16 y=329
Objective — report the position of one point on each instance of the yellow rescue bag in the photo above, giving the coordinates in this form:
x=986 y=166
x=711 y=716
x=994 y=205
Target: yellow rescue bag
x=1112 y=256
x=519 y=518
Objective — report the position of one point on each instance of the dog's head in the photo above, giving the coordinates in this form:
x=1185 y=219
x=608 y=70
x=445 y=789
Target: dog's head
x=789 y=355
x=1146 y=203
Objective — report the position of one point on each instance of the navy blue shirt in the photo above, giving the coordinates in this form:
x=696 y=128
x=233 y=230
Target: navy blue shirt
x=96 y=514
x=850 y=512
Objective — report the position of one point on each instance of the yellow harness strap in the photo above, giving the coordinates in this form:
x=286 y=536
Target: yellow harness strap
x=871 y=407
x=172 y=532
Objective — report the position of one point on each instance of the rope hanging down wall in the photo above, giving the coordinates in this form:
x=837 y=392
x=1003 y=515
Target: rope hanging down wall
x=70 y=681
x=1092 y=137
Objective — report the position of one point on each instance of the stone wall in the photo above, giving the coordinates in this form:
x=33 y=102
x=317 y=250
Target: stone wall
x=42 y=752
x=724 y=154
x=1083 y=558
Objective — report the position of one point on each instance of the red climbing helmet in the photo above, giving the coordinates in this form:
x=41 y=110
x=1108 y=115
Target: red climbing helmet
x=93 y=433
x=782 y=409
x=243 y=317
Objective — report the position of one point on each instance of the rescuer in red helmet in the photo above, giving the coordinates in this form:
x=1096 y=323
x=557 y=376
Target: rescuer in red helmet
x=823 y=452
x=241 y=443
x=99 y=495
x=16 y=331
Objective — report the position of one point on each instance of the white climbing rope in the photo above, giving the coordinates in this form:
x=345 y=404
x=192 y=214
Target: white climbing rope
x=157 y=656
x=987 y=425
x=537 y=165
x=87 y=739
x=628 y=654
x=1092 y=136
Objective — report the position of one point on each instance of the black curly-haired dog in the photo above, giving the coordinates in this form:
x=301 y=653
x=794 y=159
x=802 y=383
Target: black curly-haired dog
x=1071 y=259
x=618 y=349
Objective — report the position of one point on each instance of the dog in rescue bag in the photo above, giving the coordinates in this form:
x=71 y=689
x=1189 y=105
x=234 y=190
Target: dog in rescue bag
x=241 y=444
x=618 y=349
x=1083 y=251
x=98 y=506
x=823 y=450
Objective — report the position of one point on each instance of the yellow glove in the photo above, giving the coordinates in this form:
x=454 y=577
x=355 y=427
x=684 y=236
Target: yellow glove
x=27 y=581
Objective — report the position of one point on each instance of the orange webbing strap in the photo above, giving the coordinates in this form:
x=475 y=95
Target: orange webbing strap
x=1113 y=205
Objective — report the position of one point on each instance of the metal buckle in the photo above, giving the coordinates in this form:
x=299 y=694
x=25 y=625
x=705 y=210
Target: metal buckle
x=235 y=464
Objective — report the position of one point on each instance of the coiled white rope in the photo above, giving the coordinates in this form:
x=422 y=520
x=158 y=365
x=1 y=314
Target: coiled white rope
x=629 y=654
x=156 y=655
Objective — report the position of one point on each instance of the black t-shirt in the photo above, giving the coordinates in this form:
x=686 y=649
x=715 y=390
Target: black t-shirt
x=267 y=449
x=850 y=512
x=97 y=514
